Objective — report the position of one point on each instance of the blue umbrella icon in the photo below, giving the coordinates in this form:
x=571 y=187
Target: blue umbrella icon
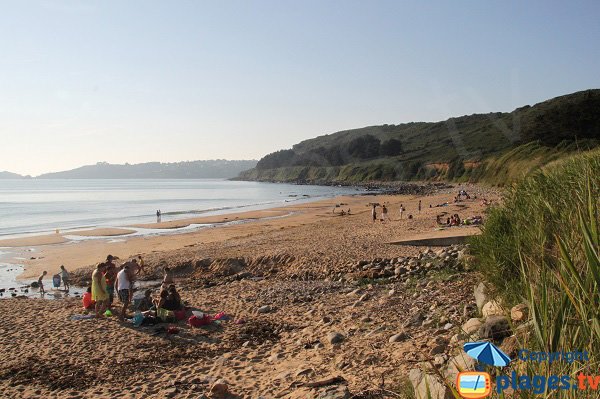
x=487 y=353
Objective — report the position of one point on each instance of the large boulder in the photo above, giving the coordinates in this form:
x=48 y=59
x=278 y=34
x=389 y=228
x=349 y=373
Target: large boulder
x=496 y=328
x=472 y=326
x=519 y=313
x=428 y=386
x=492 y=308
x=459 y=363
x=480 y=295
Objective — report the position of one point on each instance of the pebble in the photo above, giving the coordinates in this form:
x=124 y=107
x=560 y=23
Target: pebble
x=335 y=337
x=398 y=337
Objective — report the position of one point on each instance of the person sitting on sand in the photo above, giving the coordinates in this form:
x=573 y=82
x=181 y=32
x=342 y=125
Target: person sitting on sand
x=173 y=300
x=99 y=292
x=145 y=303
x=160 y=301
x=64 y=274
x=88 y=303
x=41 y=282
x=122 y=286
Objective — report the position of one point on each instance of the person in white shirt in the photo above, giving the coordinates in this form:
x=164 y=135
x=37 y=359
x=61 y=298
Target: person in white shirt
x=122 y=286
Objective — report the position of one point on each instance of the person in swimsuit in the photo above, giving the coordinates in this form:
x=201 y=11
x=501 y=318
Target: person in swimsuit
x=99 y=291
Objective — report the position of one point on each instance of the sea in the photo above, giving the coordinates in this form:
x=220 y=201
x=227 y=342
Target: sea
x=31 y=207
x=40 y=206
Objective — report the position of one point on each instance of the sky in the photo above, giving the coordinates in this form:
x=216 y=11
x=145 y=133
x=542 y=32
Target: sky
x=137 y=81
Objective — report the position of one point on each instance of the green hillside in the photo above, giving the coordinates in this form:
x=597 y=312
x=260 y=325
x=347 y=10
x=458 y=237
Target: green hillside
x=495 y=147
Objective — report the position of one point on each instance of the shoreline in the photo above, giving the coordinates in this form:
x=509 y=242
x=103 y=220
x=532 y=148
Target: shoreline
x=218 y=230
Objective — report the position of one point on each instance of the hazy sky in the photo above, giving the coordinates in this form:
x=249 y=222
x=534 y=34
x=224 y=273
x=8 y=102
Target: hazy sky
x=134 y=81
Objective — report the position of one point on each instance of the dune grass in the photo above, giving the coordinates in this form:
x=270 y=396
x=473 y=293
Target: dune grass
x=542 y=247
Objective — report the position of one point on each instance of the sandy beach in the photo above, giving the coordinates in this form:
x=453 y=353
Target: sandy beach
x=318 y=273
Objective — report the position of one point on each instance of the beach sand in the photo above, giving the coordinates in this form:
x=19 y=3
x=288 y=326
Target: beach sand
x=302 y=264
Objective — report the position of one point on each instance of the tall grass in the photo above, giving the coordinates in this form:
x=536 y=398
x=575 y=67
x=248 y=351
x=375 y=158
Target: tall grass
x=542 y=247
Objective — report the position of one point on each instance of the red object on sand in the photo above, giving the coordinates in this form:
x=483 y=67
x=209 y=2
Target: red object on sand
x=199 y=321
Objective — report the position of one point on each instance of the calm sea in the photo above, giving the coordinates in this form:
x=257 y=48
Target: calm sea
x=41 y=206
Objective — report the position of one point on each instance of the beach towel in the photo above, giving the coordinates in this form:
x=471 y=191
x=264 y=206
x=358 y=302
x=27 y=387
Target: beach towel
x=56 y=280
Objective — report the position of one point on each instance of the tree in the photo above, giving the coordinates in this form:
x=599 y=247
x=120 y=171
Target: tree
x=391 y=148
x=364 y=147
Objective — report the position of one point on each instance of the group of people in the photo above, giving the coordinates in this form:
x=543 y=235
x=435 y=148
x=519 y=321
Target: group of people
x=63 y=275
x=385 y=212
x=108 y=279
x=455 y=220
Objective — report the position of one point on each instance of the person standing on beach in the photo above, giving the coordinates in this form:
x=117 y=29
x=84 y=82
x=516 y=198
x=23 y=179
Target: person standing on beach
x=41 y=282
x=110 y=274
x=99 y=291
x=158 y=215
x=401 y=211
x=122 y=286
x=419 y=206
x=64 y=274
x=384 y=213
x=374 y=213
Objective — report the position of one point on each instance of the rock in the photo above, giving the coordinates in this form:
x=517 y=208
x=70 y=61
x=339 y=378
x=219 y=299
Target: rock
x=495 y=327
x=303 y=371
x=219 y=389
x=366 y=319
x=480 y=295
x=519 y=312
x=363 y=298
x=439 y=360
x=472 y=326
x=428 y=323
x=264 y=309
x=334 y=392
x=510 y=346
x=459 y=363
x=492 y=308
x=335 y=337
x=436 y=350
x=35 y=285
x=169 y=393
x=428 y=386
x=398 y=337
x=415 y=320
x=391 y=292
x=448 y=326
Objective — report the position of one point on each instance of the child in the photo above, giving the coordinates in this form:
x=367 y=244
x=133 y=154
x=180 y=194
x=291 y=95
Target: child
x=65 y=277
x=88 y=303
x=41 y=283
